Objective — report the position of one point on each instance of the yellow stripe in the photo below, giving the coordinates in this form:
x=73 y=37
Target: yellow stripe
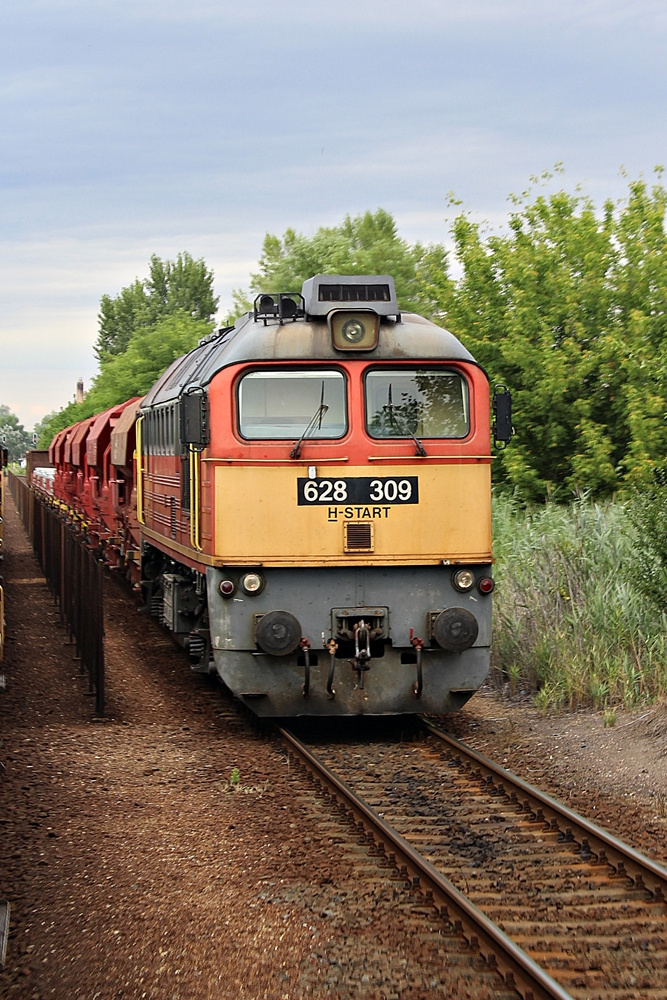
x=140 y=484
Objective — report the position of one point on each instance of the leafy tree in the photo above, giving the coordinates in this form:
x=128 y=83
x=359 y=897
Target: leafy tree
x=132 y=373
x=13 y=435
x=120 y=317
x=42 y=426
x=365 y=244
x=181 y=286
x=567 y=309
x=148 y=355
x=639 y=345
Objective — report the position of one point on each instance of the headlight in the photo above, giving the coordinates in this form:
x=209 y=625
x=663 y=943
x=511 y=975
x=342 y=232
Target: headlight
x=353 y=331
x=252 y=583
x=463 y=579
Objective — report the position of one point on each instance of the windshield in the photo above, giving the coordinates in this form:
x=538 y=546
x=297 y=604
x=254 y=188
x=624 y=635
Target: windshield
x=424 y=402
x=280 y=404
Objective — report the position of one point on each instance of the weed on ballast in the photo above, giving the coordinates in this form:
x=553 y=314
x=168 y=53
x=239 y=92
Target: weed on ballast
x=234 y=784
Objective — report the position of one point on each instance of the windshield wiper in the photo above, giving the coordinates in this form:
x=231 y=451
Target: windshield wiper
x=403 y=428
x=317 y=416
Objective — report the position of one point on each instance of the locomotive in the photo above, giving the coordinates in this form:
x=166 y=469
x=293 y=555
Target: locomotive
x=304 y=500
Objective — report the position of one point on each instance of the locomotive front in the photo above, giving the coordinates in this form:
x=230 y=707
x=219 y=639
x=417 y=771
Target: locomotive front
x=338 y=473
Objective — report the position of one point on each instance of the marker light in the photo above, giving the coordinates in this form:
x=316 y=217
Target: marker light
x=463 y=579
x=252 y=583
x=485 y=585
x=227 y=588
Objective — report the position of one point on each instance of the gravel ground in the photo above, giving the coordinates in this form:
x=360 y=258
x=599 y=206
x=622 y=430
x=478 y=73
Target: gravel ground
x=615 y=775
x=135 y=868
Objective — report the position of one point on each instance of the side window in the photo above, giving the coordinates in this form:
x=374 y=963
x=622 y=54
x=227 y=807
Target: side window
x=146 y=433
x=177 y=435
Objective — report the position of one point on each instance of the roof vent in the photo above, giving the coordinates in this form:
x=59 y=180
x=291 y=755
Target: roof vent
x=326 y=292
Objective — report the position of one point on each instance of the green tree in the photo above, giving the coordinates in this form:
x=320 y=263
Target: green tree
x=566 y=308
x=648 y=568
x=639 y=344
x=148 y=355
x=181 y=286
x=119 y=317
x=365 y=244
x=132 y=373
x=13 y=435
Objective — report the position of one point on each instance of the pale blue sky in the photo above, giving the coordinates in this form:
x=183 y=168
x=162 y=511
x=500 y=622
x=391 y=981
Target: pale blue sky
x=154 y=126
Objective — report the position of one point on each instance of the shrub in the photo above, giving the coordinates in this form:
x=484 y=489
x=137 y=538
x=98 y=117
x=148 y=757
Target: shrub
x=571 y=623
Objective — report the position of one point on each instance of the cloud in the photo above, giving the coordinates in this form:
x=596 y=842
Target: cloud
x=154 y=126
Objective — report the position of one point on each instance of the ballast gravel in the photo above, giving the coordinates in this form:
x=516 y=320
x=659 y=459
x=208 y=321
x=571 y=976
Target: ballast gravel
x=171 y=850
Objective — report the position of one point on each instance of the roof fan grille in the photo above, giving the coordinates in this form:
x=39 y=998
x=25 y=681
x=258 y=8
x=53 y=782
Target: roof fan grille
x=354 y=293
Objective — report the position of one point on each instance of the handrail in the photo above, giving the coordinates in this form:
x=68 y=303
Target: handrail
x=195 y=534
x=140 y=473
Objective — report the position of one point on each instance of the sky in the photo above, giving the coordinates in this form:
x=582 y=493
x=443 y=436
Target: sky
x=135 y=127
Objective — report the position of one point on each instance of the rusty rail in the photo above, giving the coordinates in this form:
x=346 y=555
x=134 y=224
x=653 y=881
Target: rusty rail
x=74 y=577
x=517 y=969
x=592 y=839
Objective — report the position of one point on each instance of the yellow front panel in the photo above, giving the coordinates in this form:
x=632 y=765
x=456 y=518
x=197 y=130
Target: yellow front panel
x=259 y=520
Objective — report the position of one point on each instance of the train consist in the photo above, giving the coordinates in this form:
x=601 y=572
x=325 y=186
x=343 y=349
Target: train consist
x=304 y=500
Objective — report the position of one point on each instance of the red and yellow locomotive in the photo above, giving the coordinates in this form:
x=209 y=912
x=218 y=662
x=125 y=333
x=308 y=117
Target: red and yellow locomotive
x=305 y=501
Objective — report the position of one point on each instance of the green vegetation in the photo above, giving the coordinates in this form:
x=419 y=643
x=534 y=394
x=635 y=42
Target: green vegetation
x=365 y=244
x=132 y=373
x=181 y=287
x=13 y=435
x=571 y=624
x=566 y=307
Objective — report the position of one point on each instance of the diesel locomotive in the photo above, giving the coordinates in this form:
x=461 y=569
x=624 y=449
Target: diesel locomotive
x=304 y=500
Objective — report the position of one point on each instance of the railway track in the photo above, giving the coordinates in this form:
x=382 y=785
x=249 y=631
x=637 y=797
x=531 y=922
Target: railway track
x=560 y=907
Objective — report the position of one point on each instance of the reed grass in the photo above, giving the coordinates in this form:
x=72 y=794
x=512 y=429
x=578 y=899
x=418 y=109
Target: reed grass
x=571 y=625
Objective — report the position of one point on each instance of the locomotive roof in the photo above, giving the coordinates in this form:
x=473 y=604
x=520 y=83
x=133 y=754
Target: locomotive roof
x=250 y=340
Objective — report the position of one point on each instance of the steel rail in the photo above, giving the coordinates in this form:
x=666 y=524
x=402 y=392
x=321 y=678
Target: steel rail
x=5 y=910
x=516 y=968
x=609 y=849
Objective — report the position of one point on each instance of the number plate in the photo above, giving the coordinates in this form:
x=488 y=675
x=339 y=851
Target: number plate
x=386 y=490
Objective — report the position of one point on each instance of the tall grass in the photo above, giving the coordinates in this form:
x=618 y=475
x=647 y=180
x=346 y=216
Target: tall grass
x=570 y=623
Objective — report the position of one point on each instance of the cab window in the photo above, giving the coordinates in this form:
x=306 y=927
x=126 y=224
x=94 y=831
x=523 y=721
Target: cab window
x=426 y=402
x=279 y=405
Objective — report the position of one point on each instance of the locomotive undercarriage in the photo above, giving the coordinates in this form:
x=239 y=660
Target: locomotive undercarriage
x=343 y=653
x=313 y=642
x=176 y=596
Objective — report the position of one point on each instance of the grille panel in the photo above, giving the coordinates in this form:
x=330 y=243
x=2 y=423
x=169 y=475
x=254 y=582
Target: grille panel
x=354 y=293
x=358 y=536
